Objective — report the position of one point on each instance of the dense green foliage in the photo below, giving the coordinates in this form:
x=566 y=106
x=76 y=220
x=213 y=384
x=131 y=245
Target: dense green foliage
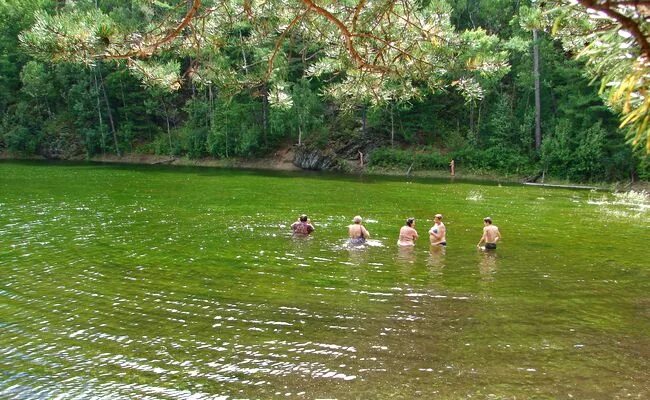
x=63 y=110
x=613 y=38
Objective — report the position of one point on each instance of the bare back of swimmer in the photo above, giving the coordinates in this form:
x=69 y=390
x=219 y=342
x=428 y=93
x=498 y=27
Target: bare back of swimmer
x=491 y=235
x=357 y=232
x=407 y=234
x=302 y=226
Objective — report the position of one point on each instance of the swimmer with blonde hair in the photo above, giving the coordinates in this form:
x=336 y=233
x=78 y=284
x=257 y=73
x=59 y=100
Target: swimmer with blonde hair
x=438 y=232
x=357 y=232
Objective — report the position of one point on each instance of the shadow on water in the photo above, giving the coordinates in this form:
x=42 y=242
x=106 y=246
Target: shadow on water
x=436 y=257
x=243 y=172
x=406 y=255
x=487 y=264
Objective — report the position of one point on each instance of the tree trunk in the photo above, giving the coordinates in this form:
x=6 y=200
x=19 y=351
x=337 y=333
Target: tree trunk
x=99 y=112
x=392 y=125
x=299 y=129
x=265 y=113
x=122 y=93
x=189 y=77
x=471 y=118
x=538 y=102
x=169 y=130
x=226 y=130
x=47 y=108
x=243 y=53
x=211 y=99
x=478 y=119
x=109 y=112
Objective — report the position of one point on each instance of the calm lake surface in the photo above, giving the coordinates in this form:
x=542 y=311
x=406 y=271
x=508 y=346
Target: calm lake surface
x=129 y=282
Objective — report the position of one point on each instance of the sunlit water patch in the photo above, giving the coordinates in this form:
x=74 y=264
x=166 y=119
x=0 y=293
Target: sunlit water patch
x=631 y=204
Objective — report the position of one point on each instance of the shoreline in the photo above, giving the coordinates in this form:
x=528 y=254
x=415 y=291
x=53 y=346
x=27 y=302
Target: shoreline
x=284 y=162
x=268 y=163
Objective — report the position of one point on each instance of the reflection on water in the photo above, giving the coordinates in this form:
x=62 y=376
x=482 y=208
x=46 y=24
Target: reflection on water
x=406 y=255
x=357 y=255
x=487 y=264
x=437 y=256
x=299 y=239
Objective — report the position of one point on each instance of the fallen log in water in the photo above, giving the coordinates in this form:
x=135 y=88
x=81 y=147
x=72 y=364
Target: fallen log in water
x=171 y=160
x=561 y=186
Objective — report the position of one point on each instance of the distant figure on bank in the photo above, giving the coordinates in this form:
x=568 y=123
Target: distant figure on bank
x=491 y=235
x=302 y=226
x=357 y=232
x=407 y=234
x=452 y=167
x=438 y=232
x=360 y=158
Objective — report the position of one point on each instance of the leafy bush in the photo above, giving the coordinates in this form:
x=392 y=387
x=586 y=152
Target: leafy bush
x=160 y=145
x=193 y=141
x=21 y=140
x=574 y=155
x=430 y=159
x=59 y=139
x=497 y=158
x=425 y=158
x=643 y=168
x=387 y=157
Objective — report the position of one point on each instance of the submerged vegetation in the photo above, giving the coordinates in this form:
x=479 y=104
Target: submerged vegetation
x=150 y=282
x=409 y=85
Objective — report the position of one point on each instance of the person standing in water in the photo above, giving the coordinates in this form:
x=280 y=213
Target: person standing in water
x=438 y=232
x=302 y=226
x=357 y=232
x=407 y=234
x=491 y=235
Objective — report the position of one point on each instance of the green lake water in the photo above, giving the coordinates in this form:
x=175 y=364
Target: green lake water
x=129 y=282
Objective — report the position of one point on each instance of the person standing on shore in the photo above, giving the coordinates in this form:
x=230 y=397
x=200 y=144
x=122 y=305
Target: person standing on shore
x=491 y=235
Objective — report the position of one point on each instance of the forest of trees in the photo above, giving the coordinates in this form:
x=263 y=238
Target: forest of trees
x=218 y=97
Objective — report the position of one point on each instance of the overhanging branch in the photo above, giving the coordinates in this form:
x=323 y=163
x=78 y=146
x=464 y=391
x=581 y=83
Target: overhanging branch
x=149 y=50
x=626 y=22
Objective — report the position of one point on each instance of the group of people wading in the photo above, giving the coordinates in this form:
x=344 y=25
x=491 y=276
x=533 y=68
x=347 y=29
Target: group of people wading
x=358 y=234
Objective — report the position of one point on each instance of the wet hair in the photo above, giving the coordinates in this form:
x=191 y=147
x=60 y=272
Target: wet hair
x=410 y=221
x=439 y=216
x=356 y=219
x=303 y=218
x=488 y=220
